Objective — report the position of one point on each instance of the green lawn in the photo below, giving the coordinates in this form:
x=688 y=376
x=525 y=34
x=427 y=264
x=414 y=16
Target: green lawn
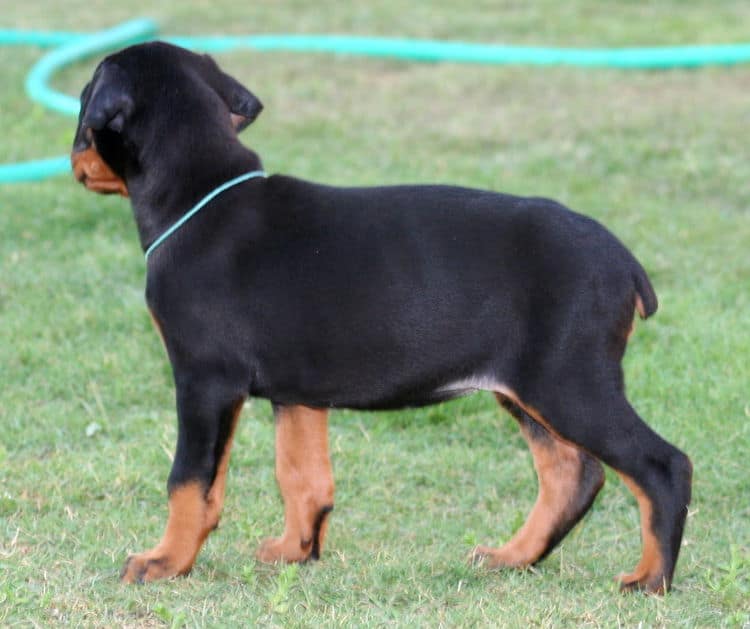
x=87 y=425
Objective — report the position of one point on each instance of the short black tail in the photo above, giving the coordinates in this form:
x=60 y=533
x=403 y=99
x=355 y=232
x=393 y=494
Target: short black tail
x=646 y=301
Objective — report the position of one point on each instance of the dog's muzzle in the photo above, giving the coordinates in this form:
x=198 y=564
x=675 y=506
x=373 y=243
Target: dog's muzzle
x=91 y=170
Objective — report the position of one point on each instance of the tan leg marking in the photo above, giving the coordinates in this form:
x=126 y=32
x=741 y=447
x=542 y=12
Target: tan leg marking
x=193 y=514
x=186 y=530
x=303 y=471
x=215 y=497
x=558 y=468
x=648 y=574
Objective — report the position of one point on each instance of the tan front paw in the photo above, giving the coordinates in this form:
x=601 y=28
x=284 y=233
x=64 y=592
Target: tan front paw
x=150 y=566
x=493 y=558
x=283 y=549
x=642 y=582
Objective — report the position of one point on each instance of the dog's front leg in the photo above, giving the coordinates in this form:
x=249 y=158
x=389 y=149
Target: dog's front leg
x=303 y=471
x=207 y=418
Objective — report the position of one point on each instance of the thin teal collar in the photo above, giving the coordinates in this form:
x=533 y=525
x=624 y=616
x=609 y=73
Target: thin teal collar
x=198 y=206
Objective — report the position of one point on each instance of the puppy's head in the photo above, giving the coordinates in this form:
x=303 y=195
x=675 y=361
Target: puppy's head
x=153 y=101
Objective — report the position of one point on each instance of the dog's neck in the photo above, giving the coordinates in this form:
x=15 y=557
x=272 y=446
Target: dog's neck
x=159 y=196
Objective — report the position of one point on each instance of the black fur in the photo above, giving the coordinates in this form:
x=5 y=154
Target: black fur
x=367 y=298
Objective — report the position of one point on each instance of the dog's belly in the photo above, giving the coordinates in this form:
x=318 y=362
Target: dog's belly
x=458 y=388
x=429 y=395
x=372 y=386
x=364 y=400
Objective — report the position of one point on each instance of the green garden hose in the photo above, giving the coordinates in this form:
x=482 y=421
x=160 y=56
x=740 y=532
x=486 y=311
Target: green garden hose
x=494 y=54
x=72 y=47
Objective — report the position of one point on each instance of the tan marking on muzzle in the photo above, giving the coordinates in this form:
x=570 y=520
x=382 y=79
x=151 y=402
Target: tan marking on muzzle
x=92 y=171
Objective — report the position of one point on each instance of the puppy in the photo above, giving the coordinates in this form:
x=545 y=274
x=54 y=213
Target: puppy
x=316 y=297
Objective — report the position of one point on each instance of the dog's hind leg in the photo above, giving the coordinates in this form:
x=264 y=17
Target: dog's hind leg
x=207 y=419
x=303 y=471
x=569 y=479
x=601 y=420
x=659 y=476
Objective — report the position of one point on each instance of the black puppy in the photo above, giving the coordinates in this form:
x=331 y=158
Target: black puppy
x=317 y=297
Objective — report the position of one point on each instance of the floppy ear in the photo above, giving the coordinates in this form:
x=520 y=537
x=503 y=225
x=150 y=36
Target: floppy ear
x=242 y=103
x=109 y=103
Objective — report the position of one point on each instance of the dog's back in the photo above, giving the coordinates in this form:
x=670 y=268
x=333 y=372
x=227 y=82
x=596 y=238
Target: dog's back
x=362 y=290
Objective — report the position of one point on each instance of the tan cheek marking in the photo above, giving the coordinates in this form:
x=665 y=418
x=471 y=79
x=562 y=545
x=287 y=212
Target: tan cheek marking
x=91 y=170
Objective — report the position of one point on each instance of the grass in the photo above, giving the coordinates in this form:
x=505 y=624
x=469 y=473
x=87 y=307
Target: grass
x=86 y=411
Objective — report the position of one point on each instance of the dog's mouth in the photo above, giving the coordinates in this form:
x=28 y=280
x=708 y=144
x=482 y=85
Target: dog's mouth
x=91 y=170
